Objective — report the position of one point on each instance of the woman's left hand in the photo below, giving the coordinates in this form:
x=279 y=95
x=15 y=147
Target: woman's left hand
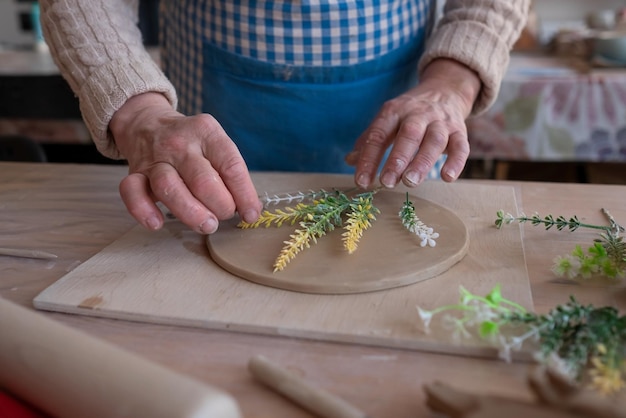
x=420 y=125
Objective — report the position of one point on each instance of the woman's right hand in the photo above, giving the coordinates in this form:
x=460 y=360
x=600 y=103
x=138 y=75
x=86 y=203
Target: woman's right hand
x=188 y=163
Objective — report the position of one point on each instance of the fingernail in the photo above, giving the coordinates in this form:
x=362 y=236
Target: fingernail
x=451 y=174
x=209 y=226
x=251 y=216
x=153 y=223
x=388 y=180
x=412 y=178
x=363 y=181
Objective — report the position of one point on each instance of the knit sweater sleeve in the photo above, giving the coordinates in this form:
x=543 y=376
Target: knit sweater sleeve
x=480 y=35
x=99 y=50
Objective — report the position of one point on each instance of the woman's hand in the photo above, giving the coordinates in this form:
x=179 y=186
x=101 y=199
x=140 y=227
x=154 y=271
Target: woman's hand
x=420 y=125
x=188 y=163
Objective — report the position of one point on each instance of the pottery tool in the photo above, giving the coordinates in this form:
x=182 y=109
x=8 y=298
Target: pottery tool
x=24 y=253
x=556 y=397
x=295 y=388
x=69 y=374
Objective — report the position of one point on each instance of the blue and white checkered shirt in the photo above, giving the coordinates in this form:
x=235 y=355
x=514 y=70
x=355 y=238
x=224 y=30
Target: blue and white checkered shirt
x=317 y=33
x=299 y=33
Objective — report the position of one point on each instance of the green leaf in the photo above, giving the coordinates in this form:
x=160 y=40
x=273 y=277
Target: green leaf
x=597 y=250
x=578 y=251
x=609 y=269
x=488 y=329
x=499 y=218
x=495 y=296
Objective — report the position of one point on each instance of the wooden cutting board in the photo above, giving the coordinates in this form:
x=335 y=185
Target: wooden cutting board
x=168 y=277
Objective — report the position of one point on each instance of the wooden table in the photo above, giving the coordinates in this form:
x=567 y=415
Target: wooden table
x=74 y=211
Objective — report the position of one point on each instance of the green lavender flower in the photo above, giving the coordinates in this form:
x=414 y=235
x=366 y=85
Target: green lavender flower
x=582 y=336
x=606 y=256
x=548 y=221
x=577 y=339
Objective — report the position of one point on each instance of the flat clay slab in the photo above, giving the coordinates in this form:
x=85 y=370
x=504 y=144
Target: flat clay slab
x=387 y=256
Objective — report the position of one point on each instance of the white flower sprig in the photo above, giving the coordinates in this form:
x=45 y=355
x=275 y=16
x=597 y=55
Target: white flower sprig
x=411 y=222
x=290 y=198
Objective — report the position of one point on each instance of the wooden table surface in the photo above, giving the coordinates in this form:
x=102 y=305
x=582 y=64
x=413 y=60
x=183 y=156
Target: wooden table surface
x=74 y=211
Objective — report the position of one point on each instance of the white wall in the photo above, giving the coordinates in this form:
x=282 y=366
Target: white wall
x=10 y=31
x=573 y=9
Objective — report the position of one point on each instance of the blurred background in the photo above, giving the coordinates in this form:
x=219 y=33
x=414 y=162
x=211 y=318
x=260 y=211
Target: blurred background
x=560 y=114
x=39 y=115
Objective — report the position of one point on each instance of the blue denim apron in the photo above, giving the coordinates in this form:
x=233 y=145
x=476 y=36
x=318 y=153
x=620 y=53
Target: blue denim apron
x=286 y=117
x=290 y=118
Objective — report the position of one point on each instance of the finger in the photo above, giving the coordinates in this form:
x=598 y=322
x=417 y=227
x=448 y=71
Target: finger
x=169 y=188
x=137 y=197
x=434 y=144
x=371 y=147
x=234 y=173
x=458 y=152
x=206 y=185
x=405 y=147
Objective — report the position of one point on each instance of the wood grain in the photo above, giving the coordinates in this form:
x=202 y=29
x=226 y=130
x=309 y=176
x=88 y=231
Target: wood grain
x=388 y=255
x=168 y=278
x=75 y=211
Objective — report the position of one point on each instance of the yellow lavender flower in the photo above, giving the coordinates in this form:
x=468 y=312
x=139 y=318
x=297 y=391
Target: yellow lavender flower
x=300 y=240
x=322 y=215
x=606 y=376
x=362 y=212
x=411 y=222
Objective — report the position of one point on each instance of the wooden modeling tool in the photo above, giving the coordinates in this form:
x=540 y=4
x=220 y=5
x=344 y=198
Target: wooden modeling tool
x=16 y=252
x=556 y=397
x=316 y=400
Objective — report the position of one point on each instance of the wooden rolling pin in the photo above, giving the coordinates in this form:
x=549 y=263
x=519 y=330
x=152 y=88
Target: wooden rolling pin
x=69 y=374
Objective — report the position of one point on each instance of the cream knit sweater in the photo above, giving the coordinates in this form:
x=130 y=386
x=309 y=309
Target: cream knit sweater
x=99 y=50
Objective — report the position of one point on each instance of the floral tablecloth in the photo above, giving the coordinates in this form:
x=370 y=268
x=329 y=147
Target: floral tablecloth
x=549 y=111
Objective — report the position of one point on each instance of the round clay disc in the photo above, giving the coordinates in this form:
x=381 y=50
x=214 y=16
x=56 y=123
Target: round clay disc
x=388 y=255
